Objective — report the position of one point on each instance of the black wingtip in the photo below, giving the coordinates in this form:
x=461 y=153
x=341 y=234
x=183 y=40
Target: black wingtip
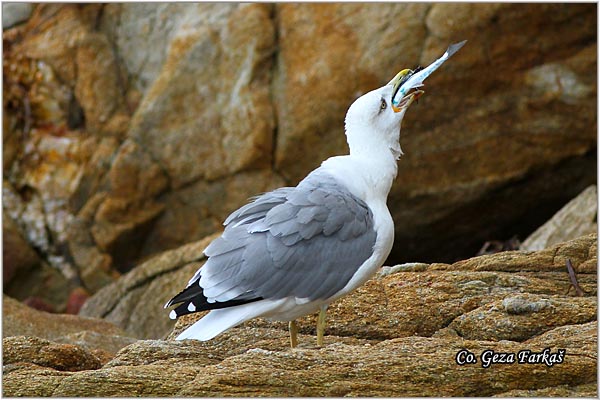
x=191 y=291
x=192 y=299
x=168 y=304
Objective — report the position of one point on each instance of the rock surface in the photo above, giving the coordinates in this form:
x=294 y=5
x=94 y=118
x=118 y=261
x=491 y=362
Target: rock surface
x=389 y=306
x=17 y=255
x=523 y=316
x=130 y=129
x=578 y=217
x=61 y=357
x=135 y=302
x=408 y=366
x=398 y=335
x=90 y=334
x=26 y=276
x=15 y=13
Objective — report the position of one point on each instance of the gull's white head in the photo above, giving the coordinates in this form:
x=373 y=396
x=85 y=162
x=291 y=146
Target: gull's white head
x=373 y=122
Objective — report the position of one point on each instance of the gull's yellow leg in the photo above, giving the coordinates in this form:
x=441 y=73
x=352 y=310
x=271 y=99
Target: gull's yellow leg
x=321 y=324
x=293 y=334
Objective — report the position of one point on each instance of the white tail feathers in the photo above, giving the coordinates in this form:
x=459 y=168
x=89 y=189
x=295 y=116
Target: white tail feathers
x=218 y=321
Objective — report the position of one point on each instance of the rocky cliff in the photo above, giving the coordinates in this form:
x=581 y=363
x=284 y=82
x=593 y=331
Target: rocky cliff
x=130 y=129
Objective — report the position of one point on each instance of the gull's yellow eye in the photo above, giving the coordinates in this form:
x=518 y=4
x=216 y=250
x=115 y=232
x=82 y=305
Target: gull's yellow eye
x=383 y=105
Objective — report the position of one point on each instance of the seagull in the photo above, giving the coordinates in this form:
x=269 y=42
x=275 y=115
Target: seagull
x=292 y=251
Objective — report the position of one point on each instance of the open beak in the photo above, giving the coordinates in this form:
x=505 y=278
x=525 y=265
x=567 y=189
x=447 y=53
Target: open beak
x=407 y=100
x=412 y=95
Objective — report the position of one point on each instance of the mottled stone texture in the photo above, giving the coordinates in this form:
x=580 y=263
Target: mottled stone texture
x=461 y=296
x=578 y=217
x=130 y=129
x=408 y=366
x=398 y=335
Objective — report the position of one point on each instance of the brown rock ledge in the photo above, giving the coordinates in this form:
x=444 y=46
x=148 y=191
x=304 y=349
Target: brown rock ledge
x=409 y=366
x=398 y=335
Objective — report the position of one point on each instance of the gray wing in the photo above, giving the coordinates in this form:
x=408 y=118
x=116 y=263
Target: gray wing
x=306 y=242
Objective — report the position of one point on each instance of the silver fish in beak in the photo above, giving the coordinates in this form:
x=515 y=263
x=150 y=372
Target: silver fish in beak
x=407 y=83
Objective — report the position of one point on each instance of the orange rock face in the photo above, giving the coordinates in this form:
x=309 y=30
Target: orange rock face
x=134 y=128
